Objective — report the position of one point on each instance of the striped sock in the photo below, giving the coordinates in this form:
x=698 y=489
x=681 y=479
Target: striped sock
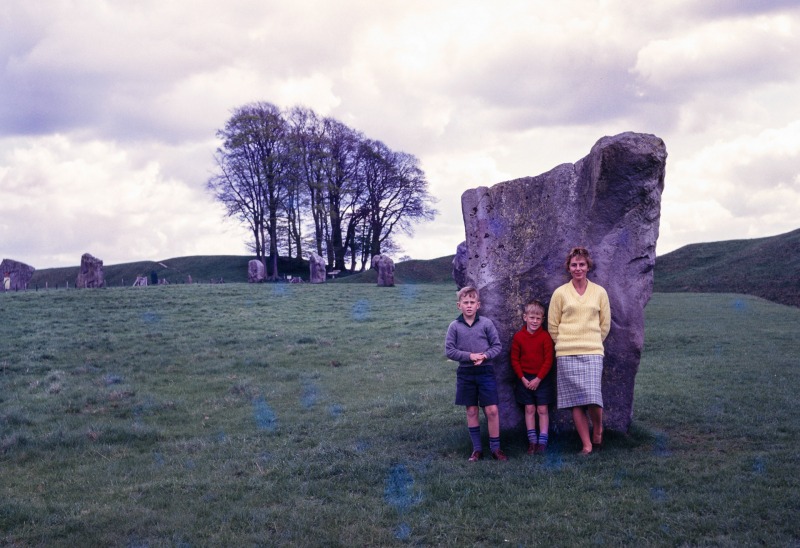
x=475 y=436
x=494 y=444
x=532 y=436
x=543 y=438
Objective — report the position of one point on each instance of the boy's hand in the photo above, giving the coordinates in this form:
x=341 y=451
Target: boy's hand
x=534 y=384
x=477 y=359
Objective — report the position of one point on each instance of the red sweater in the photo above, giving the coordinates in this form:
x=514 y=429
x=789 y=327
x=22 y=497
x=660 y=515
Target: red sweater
x=532 y=353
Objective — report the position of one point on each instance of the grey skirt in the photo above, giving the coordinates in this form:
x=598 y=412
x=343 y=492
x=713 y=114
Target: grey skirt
x=579 y=380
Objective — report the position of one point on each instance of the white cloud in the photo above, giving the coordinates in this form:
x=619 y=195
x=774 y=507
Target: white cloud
x=61 y=198
x=718 y=54
x=103 y=100
x=746 y=187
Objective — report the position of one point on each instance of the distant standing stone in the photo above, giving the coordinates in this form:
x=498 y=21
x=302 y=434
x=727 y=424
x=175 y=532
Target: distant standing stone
x=91 y=272
x=385 y=267
x=518 y=234
x=18 y=274
x=256 y=271
x=316 y=267
x=460 y=264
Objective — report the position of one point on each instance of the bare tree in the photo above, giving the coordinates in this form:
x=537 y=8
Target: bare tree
x=252 y=162
x=275 y=167
x=396 y=192
x=307 y=134
x=342 y=189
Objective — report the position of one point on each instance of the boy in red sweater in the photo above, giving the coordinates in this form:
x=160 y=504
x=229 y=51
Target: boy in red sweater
x=531 y=359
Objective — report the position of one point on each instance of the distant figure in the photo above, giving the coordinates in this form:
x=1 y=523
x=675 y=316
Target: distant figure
x=531 y=359
x=579 y=320
x=7 y=281
x=472 y=341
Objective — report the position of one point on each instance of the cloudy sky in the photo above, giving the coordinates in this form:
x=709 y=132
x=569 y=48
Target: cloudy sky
x=109 y=108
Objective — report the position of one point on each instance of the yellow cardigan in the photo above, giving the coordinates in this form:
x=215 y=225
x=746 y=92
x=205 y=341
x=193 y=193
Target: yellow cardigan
x=579 y=323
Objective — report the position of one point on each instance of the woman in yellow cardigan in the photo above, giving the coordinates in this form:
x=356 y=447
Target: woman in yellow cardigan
x=579 y=319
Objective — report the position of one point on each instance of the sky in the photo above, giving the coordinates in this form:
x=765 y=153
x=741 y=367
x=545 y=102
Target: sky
x=109 y=108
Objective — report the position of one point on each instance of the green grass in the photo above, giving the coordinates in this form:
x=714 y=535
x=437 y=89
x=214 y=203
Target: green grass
x=322 y=415
x=201 y=268
x=765 y=267
x=233 y=269
x=432 y=271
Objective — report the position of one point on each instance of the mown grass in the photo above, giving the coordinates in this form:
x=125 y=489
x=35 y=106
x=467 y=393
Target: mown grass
x=322 y=416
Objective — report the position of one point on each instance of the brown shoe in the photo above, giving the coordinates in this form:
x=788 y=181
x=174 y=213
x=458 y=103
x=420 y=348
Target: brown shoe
x=532 y=448
x=499 y=455
x=541 y=449
x=476 y=456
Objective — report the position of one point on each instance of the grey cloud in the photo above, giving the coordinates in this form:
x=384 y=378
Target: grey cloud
x=714 y=9
x=768 y=172
x=154 y=80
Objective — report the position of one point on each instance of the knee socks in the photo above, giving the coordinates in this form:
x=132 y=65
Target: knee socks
x=475 y=436
x=543 y=438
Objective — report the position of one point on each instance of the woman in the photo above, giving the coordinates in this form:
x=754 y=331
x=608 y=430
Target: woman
x=579 y=319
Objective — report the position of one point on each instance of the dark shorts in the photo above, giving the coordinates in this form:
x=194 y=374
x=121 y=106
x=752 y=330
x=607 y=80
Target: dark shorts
x=544 y=395
x=476 y=386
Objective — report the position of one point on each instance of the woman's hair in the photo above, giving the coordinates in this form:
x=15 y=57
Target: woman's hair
x=579 y=252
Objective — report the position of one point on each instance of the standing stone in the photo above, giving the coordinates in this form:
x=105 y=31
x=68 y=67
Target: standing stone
x=91 y=272
x=385 y=267
x=256 y=272
x=519 y=232
x=316 y=267
x=460 y=264
x=19 y=274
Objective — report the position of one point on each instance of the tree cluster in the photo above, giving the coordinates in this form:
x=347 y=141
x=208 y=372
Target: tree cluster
x=299 y=181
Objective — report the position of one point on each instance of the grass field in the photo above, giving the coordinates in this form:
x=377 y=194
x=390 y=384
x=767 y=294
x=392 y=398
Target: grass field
x=299 y=415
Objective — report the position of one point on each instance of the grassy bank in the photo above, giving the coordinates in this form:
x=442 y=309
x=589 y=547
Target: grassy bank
x=322 y=416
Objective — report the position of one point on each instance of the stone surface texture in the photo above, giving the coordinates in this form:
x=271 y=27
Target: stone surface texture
x=256 y=271
x=519 y=232
x=316 y=267
x=91 y=272
x=385 y=267
x=19 y=273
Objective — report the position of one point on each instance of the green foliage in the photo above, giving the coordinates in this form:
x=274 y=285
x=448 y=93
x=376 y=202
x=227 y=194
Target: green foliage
x=300 y=415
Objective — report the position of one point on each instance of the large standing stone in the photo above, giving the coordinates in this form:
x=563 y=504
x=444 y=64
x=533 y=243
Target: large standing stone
x=385 y=267
x=316 y=267
x=518 y=234
x=91 y=272
x=19 y=274
x=256 y=271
